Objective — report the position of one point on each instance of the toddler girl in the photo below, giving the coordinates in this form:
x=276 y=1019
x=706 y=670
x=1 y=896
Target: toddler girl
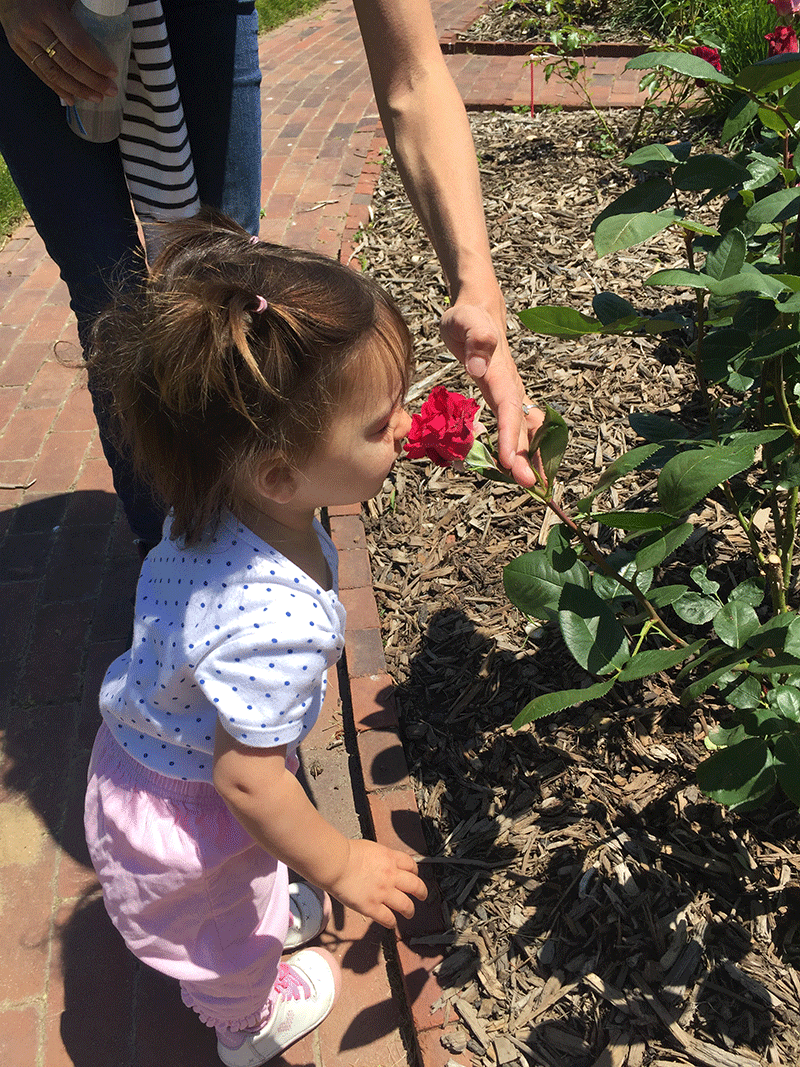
x=252 y=385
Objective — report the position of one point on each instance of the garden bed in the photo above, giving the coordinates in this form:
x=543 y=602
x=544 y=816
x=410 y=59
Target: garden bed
x=531 y=23
x=598 y=900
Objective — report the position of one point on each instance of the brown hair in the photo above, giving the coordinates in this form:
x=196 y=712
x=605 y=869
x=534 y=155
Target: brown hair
x=204 y=384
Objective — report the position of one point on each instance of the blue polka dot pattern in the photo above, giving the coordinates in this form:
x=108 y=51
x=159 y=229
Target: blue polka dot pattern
x=203 y=655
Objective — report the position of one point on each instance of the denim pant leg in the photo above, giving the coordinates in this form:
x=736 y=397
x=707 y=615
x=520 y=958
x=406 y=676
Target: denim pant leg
x=215 y=52
x=76 y=194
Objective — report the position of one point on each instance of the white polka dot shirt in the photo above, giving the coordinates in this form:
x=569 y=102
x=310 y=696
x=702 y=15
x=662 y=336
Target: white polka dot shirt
x=230 y=631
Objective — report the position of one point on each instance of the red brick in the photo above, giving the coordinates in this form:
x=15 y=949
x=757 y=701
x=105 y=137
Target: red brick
x=421 y=984
x=372 y=698
x=396 y=822
x=347 y=532
x=17 y=603
x=432 y=1052
x=22 y=363
x=364 y=651
x=50 y=387
x=77 y=412
x=10 y=396
x=25 y=432
x=60 y=461
x=53 y=672
x=383 y=762
x=362 y=611
x=19 y=1037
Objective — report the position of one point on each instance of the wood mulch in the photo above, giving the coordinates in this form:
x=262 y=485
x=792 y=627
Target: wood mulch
x=520 y=21
x=604 y=912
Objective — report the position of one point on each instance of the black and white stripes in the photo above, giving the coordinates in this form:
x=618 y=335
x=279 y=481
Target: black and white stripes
x=154 y=143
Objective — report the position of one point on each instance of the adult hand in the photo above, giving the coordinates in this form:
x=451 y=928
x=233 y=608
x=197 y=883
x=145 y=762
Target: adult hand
x=478 y=340
x=47 y=37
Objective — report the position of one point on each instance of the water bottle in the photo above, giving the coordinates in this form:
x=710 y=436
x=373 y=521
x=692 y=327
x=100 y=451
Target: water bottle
x=109 y=23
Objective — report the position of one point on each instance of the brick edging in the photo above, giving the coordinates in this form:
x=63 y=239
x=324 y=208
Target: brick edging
x=388 y=793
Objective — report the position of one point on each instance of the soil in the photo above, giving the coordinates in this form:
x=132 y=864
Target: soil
x=604 y=912
x=509 y=21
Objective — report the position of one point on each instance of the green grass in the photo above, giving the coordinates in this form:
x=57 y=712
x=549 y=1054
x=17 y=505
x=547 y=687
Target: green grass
x=11 y=208
x=271 y=13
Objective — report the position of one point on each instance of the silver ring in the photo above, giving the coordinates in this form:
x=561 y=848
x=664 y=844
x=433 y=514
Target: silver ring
x=527 y=408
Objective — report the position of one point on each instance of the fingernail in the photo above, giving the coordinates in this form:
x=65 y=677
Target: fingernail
x=477 y=366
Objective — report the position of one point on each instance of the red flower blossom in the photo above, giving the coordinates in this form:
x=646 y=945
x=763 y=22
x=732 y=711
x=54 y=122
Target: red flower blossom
x=710 y=55
x=782 y=39
x=444 y=430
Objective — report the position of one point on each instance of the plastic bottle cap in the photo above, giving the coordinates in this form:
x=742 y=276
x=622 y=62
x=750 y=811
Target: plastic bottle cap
x=109 y=8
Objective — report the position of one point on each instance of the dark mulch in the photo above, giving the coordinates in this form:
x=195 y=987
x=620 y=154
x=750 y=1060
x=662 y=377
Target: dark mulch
x=510 y=21
x=604 y=912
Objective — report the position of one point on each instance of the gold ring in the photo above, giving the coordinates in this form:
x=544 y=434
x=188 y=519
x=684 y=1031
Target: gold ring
x=51 y=48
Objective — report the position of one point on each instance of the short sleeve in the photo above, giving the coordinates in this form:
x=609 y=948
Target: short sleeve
x=264 y=677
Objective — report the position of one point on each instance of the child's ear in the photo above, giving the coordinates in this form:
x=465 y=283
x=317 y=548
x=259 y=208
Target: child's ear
x=276 y=482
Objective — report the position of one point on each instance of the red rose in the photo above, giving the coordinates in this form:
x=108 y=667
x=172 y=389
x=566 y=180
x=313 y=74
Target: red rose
x=782 y=39
x=444 y=429
x=710 y=55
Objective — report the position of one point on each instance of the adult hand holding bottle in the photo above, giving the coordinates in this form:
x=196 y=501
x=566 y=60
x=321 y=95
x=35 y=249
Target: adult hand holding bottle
x=47 y=37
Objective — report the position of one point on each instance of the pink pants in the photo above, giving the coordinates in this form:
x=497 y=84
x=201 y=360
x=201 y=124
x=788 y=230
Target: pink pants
x=187 y=887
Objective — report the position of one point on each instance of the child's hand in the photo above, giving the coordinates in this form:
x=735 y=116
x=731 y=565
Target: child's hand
x=378 y=881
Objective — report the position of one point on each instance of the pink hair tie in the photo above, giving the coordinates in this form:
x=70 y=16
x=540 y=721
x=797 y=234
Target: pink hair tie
x=260 y=305
x=254 y=240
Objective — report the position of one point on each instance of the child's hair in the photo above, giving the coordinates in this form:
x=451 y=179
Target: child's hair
x=234 y=351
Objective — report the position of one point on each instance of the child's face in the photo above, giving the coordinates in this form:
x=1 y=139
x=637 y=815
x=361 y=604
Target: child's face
x=366 y=438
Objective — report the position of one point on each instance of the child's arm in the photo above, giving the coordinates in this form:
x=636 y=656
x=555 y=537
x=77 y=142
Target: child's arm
x=273 y=807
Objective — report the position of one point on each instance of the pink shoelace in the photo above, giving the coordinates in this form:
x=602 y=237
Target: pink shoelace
x=290 y=985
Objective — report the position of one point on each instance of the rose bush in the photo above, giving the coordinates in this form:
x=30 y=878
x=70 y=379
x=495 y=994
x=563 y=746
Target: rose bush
x=444 y=430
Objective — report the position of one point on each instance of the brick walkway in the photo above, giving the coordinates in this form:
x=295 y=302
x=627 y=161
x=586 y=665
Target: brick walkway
x=69 y=992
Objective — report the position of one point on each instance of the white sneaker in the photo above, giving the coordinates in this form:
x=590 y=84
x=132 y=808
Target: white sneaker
x=309 y=914
x=304 y=993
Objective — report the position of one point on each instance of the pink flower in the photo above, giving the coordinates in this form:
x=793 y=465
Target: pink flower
x=785 y=8
x=710 y=55
x=445 y=428
x=782 y=39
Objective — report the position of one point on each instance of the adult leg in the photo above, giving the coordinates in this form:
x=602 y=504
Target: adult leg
x=76 y=195
x=215 y=52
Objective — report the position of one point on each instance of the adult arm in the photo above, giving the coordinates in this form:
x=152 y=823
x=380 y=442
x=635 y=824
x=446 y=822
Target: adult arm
x=76 y=67
x=273 y=807
x=427 y=127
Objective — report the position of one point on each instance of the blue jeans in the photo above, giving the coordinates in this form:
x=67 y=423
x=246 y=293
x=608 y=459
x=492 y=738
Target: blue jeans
x=75 y=190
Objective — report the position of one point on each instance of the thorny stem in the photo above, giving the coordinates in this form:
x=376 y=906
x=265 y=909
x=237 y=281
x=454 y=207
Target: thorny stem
x=609 y=571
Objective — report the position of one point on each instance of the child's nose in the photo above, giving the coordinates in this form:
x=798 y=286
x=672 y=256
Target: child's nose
x=403 y=426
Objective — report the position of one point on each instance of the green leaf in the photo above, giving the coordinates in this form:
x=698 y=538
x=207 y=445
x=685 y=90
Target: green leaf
x=690 y=476
x=739 y=776
x=634 y=520
x=590 y=630
x=686 y=279
x=657 y=427
x=622 y=465
x=549 y=703
x=790 y=103
x=702 y=581
x=719 y=348
x=786 y=749
x=550 y=441
x=739 y=118
x=751 y=592
x=611 y=589
x=654 y=553
x=534 y=586
x=658 y=157
x=625 y=231
x=695 y=608
x=786 y=700
x=749 y=280
x=780 y=634
x=646 y=196
x=663 y=595
x=681 y=63
x=723 y=737
x=777 y=207
x=654 y=660
x=708 y=171
x=559 y=321
x=769 y=118
x=611 y=308
x=743 y=695
x=773 y=73
x=727 y=255
x=735 y=622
